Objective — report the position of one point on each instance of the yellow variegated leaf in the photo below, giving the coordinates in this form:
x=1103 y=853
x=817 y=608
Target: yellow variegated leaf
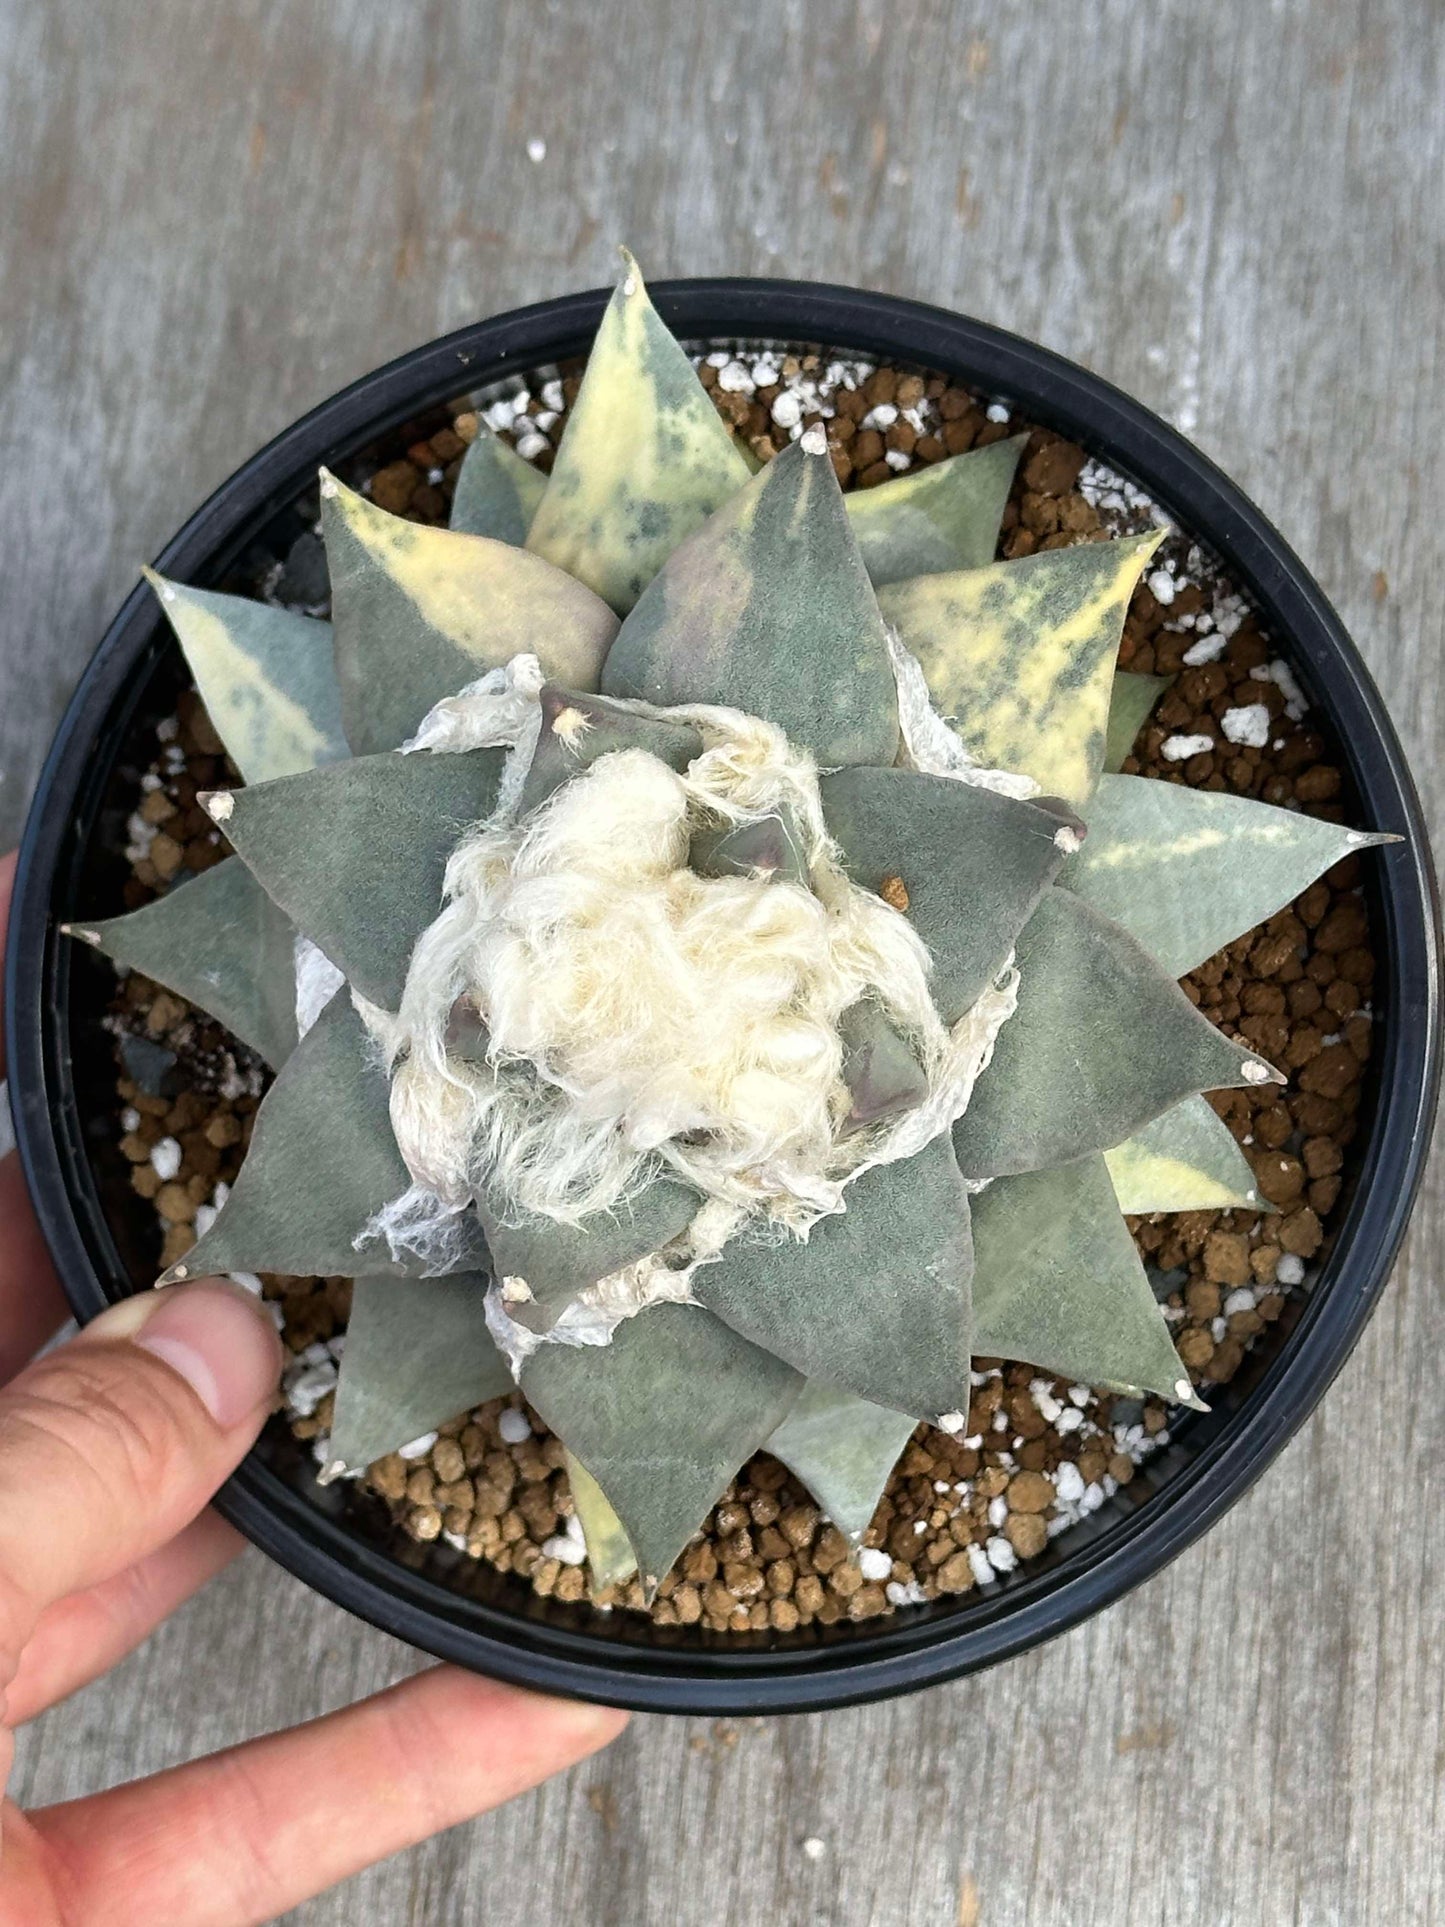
x=1020 y=655
x=419 y=612
x=609 y=1550
x=942 y=517
x=1186 y=1160
x=266 y=676
x=644 y=461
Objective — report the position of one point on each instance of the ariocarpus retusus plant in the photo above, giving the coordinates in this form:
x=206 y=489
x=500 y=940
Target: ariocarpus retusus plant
x=711 y=979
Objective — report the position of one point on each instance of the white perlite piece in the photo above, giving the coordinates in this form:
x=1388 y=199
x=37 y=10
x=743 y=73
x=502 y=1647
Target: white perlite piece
x=1178 y=749
x=1247 y=725
x=569 y=1546
x=874 y=1564
x=166 y=1159
x=514 y=1426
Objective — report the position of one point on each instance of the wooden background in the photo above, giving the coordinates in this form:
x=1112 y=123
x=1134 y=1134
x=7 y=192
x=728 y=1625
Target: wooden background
x=211 y=217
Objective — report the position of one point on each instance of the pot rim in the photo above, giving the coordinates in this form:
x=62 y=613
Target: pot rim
x=914 y=1649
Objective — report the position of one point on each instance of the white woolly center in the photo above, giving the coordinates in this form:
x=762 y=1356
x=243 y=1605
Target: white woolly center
x=638 y=1012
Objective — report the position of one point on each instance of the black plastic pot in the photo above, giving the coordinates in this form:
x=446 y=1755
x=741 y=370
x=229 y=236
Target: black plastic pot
x=61 y=1075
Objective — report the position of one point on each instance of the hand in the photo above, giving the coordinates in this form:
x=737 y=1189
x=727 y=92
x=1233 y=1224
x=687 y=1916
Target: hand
x=110 y=1447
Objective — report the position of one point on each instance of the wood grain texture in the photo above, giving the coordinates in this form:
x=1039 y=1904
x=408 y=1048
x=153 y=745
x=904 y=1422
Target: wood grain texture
x=215 y=216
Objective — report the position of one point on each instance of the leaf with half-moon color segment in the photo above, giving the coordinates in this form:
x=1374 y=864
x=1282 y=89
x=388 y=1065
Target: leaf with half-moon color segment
x=645 y=457
x=1103 y=1041
x=1186 y=1160
x=1058 y=1284
x=1187 y=871
x=266 y=676
x=877 y=1299
x=322 y=1161
x=219 y=942
x=942 y=517
x=556 y=1261
x=1020 y=656
x=497 y=492
x=662 y=1417
x=609 y=1550
x=1131 y=704
x=417 y=613
x=768 y=609
x=355 y=853
x=973 y=864
x=577 y=729
x=418 y=1353
x=843 y=1449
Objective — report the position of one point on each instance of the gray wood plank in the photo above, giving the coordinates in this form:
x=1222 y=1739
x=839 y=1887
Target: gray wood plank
x=214 y=217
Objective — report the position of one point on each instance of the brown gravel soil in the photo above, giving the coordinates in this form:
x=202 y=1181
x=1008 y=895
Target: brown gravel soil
x=1037 y=1454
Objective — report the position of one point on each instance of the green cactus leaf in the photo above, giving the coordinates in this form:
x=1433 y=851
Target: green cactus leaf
x=219 y=942
x=609 y=1550
x=577 y=729
x=973 y=863
x=1131 y=704
x=266 y=676
x=1020 y=655
x=1186 y=1160
x=879 y=1068
x=1103 y=1041
x=768 y=609
x=1058 y=1284
x=771 y=850
x=843 y=1449
x=662 y=1417
x=418 y=613
x=418 y=1353
x=942 y=517
x=556 y=1261
x=355 y=853
x=1187 y=871
x=322 y=1161
x=877 y=1299
x=497 y=492
x=645 y=457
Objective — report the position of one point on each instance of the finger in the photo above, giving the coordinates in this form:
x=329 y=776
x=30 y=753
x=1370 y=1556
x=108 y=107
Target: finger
x=32 y=1305
x=244 y=1835
x=112 y=1443
x=79 y=1638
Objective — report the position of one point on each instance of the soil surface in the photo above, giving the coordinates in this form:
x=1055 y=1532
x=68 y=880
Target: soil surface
x=1037 y=1454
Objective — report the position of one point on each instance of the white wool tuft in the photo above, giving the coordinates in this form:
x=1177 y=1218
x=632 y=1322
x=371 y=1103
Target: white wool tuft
x=317 y=982
x=928 y=742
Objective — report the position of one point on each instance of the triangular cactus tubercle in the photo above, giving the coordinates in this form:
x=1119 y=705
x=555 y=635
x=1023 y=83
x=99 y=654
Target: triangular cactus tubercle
x=938 y=518
x=497 y=492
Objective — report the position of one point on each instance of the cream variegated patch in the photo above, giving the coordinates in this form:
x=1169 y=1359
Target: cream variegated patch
x=1186 y=1160
x=645 y=459
x=1020 y=655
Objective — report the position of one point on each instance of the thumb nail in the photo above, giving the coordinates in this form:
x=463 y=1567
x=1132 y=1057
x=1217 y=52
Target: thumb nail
x=217 y=1337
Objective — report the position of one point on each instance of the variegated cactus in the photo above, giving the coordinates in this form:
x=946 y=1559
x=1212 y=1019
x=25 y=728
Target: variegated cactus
x=713 y=977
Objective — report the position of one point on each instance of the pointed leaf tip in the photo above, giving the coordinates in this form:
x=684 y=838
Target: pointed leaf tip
x=645 y=457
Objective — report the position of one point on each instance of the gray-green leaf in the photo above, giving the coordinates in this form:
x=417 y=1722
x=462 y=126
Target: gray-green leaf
x=497 y=492
x=945 y=516
x=1186 y=1160
x=355 y=853
x=219 y=942
x=843 y=1449
x=556 y=1261
x=974 y=865
x=662 y=1417
x=418 y=1353
x=645 y=457
x=1102 y=1042
x=1058 y=1284
x=768 y=609
x=577 y=729
x=418 y=613
x=322 y=1161
x=1187 y=871
x=877 y=1299
x=1130 y=706
x=266 y=676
